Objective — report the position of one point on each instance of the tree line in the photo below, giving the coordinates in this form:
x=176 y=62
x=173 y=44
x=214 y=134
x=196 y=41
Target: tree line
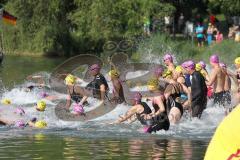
x=68 y=27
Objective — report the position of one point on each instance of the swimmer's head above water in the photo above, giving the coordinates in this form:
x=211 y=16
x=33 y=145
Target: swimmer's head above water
x=237 y=62
x=41 y=106
x=95 y=69
x=214 y=59
x=70 y=79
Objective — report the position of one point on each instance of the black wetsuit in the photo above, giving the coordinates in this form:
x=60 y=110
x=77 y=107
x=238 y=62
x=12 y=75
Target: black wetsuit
x=187 y=80
x=95 y=85
x=171 y=101
x=146 y=110
x=155 y=124
x=199 y=94
x=160 y=121
x=75 y=96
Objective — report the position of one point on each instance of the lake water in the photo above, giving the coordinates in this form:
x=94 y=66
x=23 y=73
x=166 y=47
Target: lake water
x=96 y=139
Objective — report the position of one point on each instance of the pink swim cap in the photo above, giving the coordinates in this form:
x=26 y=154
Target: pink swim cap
x=19 y=111
x=95 y=67
x=168 y=56
x=43 y=94
x=214 y=58
x=203 y=64
x=223 y=65
x=20 y=124
x=137 y=97
x=190 y=64
x=78 y=109
x=185 y=64
x=158 y=71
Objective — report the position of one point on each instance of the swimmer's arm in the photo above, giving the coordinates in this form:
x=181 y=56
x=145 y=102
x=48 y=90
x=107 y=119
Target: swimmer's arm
x=212 y=78
x=128 y=115
x=68 y=103
x=102 y=90
x=117 y=89
x=132 y=119
x=161 y=107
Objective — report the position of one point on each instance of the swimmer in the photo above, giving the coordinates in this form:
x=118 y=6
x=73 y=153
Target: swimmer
x=142 y=112
x=217 y=79
x=198 y=90
x=227 y=84
x=118 y=94
x=201 y=67
x=159 y=105
x=98 y=86
x=185 y=93
x=168 y=61
x=75 y=92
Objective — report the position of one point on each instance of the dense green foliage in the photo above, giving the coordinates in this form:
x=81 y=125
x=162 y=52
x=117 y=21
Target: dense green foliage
x=68 y=27
x=229 y=7
x=76 y=26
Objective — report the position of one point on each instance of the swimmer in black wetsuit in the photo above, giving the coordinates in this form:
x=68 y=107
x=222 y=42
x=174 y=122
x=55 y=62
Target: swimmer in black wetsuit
x=75 y=93
x=98 y=86
x=143 y=113
x=198 y=90
x=159 y=116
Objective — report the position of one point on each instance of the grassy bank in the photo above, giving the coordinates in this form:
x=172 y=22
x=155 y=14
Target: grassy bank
x=154 y=48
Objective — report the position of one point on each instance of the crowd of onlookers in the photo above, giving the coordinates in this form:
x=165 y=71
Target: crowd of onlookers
x=208 y=31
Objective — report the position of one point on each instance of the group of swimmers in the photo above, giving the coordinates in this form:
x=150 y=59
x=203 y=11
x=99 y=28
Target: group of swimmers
x=186 y=87
x=172 y=91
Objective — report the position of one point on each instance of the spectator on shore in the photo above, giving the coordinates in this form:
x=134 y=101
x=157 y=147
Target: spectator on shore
x=232 y=31
x=200 y=34
x=181 y=23
x=219 y=37
x=210 y=31
x=168 y=23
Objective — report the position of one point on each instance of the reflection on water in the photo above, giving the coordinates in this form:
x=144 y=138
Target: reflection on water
x=42 y=146
x=15 y=69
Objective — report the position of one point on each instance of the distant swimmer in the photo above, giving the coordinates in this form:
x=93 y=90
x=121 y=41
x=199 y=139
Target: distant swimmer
x=142 y=112
x=118 y=94
x=217 y=79
x=168 y=61
x=18 y=118
x=198 y=90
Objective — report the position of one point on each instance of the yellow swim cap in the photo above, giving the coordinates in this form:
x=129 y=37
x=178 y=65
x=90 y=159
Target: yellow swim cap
x=40 y=124
x=152 y=84
x=6 y=101
x=113 y=73
x=70 y=80
x=179 y=69
x=237 y=60
x=41 y=106
x=198 y=67
x=167 y=74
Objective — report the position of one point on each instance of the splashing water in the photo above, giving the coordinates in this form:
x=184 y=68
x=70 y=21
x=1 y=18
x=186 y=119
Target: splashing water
x=187 y=128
